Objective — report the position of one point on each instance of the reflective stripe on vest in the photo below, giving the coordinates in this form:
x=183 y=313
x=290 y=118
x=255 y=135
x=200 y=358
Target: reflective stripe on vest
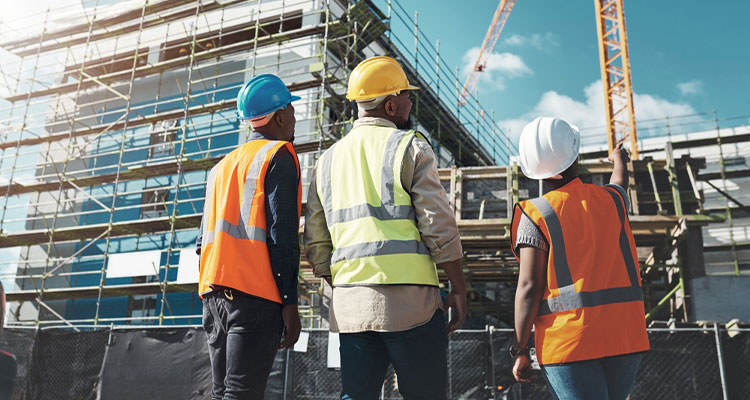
x=569 y=298
x=235 y=255
x=592 y=306
x=387 y=209
x=365 y=259
x=241 y=230
x=381 y=248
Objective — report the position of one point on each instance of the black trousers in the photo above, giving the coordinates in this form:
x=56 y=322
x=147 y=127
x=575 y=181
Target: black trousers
x=244 y=333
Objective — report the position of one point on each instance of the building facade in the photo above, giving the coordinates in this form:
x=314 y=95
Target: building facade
x=118 y=111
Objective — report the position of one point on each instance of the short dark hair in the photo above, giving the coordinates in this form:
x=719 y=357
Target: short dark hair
x=572 y=171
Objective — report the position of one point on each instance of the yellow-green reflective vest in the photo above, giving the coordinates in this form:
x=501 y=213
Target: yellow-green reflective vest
x=368 y=212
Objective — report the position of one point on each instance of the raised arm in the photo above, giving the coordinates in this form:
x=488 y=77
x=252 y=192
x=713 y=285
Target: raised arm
x=620 y=158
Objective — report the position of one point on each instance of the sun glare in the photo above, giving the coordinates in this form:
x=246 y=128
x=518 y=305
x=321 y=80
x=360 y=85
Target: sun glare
x=27 y=16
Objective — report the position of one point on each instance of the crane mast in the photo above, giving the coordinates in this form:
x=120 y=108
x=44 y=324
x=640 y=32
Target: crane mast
x=615 y=67
x=493 y=33
x=614 y=61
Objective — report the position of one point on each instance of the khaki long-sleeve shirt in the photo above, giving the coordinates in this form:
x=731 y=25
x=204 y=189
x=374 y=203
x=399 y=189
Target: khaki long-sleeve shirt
x=388 y=308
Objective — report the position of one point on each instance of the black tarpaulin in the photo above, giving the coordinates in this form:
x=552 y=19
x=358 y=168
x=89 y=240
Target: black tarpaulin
x=20 y=343
x=168 y=364
x=65 y=364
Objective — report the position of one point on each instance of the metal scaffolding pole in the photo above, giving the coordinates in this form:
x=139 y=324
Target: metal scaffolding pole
x=188 y=94
x=119 y=168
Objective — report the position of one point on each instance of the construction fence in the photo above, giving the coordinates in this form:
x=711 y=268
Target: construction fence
x=172 y=363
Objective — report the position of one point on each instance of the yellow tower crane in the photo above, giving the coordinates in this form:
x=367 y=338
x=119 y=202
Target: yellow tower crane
x=615 y=64
x=493 y=33
x=615 y=67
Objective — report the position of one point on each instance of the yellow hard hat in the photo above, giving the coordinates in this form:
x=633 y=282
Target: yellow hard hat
x=377 y=76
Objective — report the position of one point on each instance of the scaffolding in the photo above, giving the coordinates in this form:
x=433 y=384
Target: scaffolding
x=112 y=116
x=722 y=184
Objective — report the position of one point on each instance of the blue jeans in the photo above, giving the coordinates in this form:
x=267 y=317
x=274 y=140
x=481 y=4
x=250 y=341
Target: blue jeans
x=418 y=355
x=243 y=336
x=603 y=378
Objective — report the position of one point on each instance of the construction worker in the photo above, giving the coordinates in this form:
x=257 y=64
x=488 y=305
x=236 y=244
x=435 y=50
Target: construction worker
x=377 y=222
x=249 y=245
x=578 y=282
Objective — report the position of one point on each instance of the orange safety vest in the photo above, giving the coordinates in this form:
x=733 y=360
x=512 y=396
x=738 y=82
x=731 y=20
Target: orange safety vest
x=233 y=247
x=593 y=303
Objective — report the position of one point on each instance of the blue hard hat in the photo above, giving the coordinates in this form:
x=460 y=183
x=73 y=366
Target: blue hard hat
x=263 y=95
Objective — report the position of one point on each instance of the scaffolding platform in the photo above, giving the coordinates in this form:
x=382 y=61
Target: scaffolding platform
x=124 y=77
x=72 y=293
x=89 y=135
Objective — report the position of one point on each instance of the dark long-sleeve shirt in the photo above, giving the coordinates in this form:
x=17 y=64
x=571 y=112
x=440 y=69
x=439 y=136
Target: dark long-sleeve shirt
x=282 y=223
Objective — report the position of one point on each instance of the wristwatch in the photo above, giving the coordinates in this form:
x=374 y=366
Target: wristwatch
x=514 y=351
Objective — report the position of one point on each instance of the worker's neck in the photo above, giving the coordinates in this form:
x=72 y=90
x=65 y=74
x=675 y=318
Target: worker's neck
x=266 y=133
x=554 y=184
x=376 y=114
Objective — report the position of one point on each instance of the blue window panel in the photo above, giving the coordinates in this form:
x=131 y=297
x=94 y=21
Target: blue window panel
x=111 y=307
x=93 y=265
x=182 y=304
x=80 y=309
x=222 y=127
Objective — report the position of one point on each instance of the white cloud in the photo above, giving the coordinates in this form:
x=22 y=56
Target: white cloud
x=691 y=87
x=500 y=66
x=515 y=40
x=590 y=112
x=539 y=41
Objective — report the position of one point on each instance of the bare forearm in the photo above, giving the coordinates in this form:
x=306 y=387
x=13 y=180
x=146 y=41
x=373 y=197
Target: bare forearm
x=620 y=158
x=455 y=275
x=531 y=286
x=619 y=174
x=526 y=308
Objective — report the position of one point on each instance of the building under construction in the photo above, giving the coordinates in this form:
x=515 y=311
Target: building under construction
x=117 y=113
x=112 y=114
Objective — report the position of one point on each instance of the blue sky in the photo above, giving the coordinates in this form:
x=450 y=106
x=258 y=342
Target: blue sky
x=686 y=56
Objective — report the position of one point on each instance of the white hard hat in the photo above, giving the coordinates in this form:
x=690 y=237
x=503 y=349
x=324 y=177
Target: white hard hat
x=548 y=146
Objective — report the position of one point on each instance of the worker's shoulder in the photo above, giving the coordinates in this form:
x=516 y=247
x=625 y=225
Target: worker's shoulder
x=283 y=151
x=283 y=158
x=606 y=188
x=611 y=191
x=612 y=188
x=226 y=159
x=421 y=141
x=421 y=137
x=330 y=149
